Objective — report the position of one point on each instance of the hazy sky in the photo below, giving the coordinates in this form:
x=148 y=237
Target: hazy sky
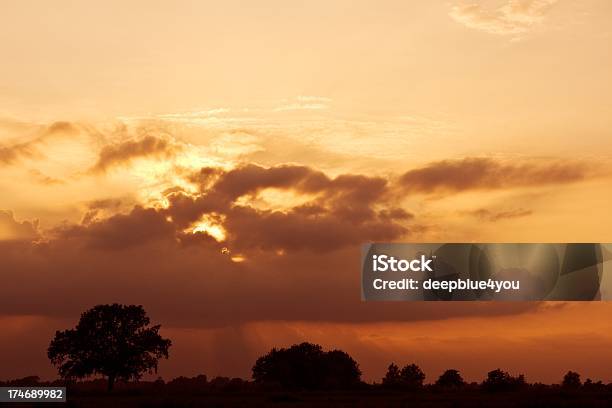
x=137 y=139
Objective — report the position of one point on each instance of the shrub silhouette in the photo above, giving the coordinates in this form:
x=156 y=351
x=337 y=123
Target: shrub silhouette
x=498 y=380
x=29 y=381
x=192 y=384
x=593 y=386
x=450 y=379
x=409 y=377
x=392 y=377
x=115 y=341
x=307 y=366
x=571 y=380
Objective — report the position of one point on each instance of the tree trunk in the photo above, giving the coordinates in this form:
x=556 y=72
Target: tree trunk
x=111 y=382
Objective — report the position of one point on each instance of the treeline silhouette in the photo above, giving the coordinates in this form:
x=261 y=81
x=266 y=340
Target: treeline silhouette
x=409 y=379
x=116 y=345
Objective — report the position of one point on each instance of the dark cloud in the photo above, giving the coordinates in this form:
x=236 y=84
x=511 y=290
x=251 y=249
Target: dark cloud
x=109 y=206
x=251 y=178
x=299 y=263
x=204 y=177
x=493 y=216
x=120 y=231
x=107 y=203
x=196 y=285
x=124 y=152
x=341 y=211
x=489 y=174
x=318 y=231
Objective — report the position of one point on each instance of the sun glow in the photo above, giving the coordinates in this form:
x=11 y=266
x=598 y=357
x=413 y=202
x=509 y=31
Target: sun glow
x=275 y=199
x=238 y=258
x=210 y=225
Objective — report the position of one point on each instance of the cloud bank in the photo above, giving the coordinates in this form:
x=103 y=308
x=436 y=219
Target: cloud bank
x=513 y=18
x=490 y=174
x=298 y=263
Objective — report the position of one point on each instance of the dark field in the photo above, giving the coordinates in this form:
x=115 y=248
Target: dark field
x=361 y=398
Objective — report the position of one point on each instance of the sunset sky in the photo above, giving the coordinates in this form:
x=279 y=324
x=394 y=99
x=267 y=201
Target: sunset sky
x=139 y=139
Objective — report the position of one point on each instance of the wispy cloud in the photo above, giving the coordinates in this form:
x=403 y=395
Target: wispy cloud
x=126 y=151
x=513 y=18
x=304 y=103
x=41 y=178
x=481 y=173
x=300 y=106
x=485 y=214
x=10 y=154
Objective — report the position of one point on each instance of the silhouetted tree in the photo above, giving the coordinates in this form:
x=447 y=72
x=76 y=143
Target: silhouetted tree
x=571 y=380
x=498 y=380
x=297 y=366
x=412 y=376
x=392 y=377
x=307 y=366
x=450 y=379
x=340 y=370
x=115 y=341
x=592 y=385
x=409 y=377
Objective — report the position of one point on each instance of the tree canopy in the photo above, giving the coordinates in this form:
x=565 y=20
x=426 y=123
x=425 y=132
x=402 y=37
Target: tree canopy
x=307 y=366
x=115 y=341
x=450 y=379
x=409 y=377
x=499 y=380
x=571 y=380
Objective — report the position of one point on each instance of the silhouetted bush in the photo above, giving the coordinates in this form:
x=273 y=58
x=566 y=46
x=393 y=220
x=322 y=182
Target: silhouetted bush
x=571 y=380
x=219 y=382
x=498 y=380
x=29 y=381
x=590 y=385
x=181 y=383
x=450 y=379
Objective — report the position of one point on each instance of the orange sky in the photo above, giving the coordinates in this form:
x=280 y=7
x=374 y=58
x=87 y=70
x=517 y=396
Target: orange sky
x=138 y=139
